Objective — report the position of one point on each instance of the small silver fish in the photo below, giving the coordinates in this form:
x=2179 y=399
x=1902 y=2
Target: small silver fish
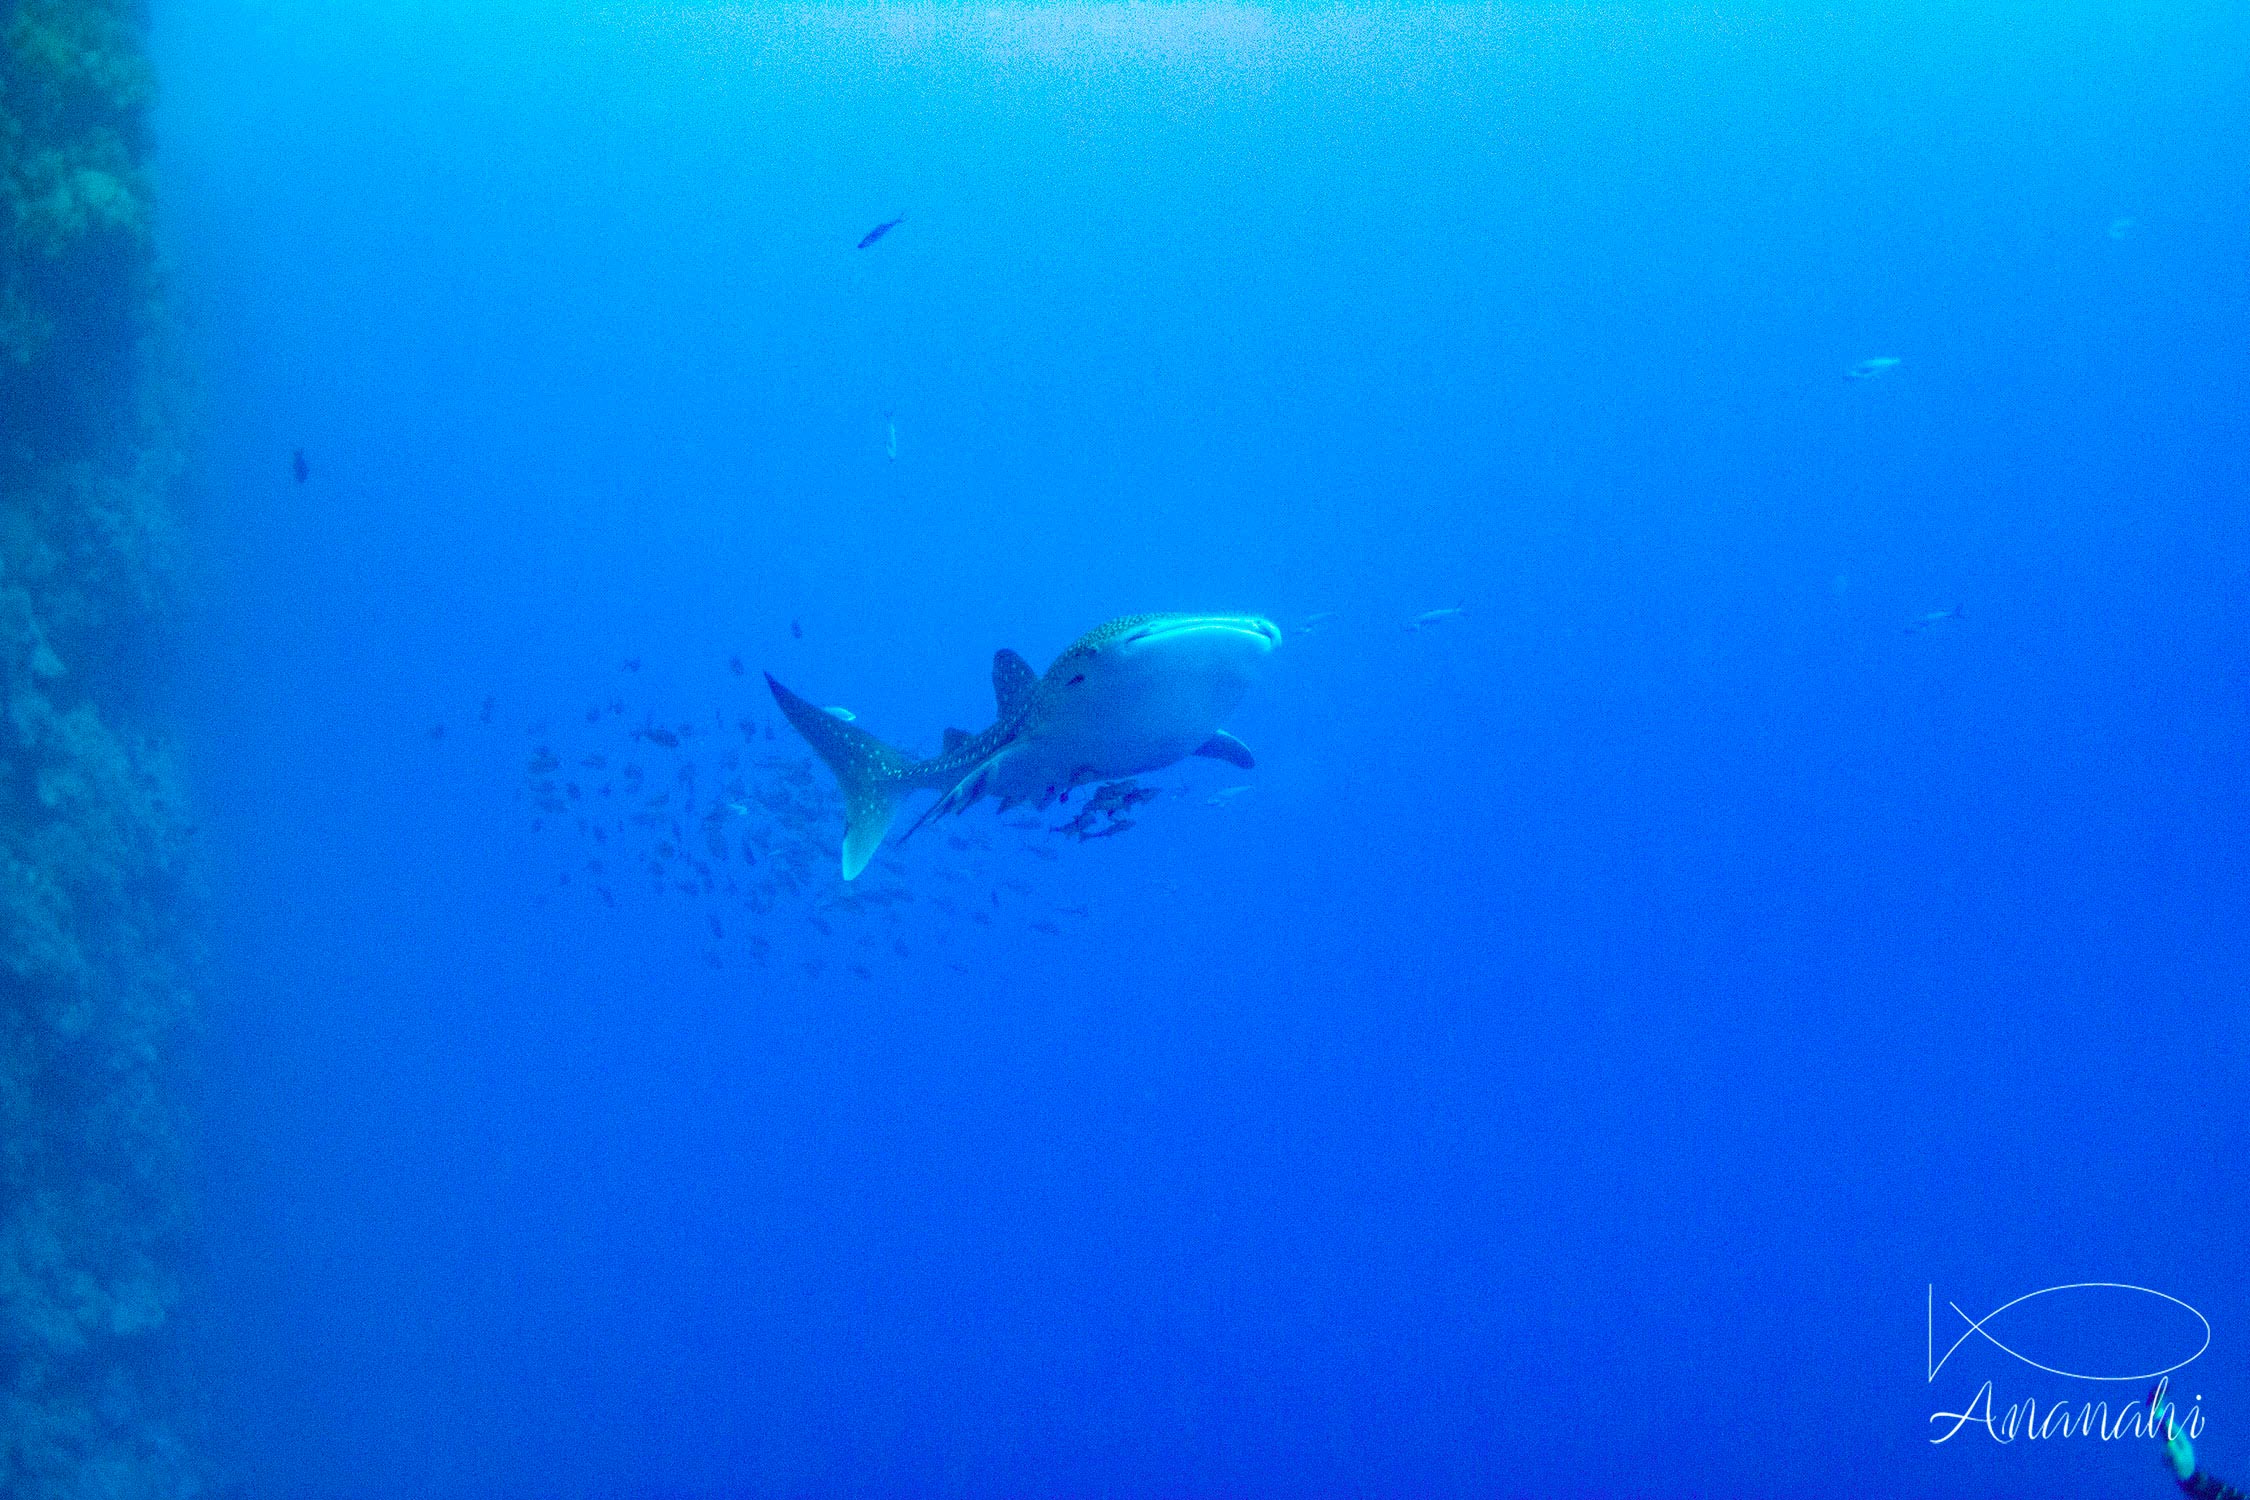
x=1933 y=618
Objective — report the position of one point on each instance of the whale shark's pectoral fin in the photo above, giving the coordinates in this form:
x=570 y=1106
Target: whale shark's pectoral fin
x=1224 y=746
x=955 y=739
x=1012 y=681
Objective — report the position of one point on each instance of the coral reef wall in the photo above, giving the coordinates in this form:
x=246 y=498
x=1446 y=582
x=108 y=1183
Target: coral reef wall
x=95 y=952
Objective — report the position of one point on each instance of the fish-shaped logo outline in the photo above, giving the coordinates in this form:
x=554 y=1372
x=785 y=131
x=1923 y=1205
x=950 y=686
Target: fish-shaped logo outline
x=1980 y=1327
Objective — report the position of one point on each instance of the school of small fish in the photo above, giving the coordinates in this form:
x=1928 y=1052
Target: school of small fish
x=730 y=818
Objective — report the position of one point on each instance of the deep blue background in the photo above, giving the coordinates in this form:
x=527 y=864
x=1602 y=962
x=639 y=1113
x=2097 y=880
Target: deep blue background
x=1566 y=1071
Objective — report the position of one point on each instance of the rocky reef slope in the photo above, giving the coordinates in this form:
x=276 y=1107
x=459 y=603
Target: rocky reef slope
x=95 y=961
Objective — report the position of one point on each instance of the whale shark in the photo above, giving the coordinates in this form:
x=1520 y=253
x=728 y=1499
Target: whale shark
x=1132 y=696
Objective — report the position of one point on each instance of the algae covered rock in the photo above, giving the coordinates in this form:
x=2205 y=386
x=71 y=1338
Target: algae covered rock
x=75 y=243
x=96 y=963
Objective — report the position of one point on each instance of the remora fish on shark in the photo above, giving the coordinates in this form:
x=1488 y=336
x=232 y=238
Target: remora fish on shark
x=1126 y=698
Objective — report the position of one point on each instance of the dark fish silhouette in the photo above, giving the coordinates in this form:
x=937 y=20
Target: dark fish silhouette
x=797 y=630
x=1081 y=826
x=734 y=665
x=303 y=471
x=1119 y=797
x=879 y=231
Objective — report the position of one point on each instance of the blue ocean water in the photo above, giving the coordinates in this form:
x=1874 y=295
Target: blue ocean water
x=1617 y=1024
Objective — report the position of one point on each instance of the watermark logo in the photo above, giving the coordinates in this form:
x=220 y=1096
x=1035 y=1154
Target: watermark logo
x=2147 y=1336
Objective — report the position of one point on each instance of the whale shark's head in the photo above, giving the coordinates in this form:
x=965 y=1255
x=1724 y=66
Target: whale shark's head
x=1148 y=689
x=1222 y=645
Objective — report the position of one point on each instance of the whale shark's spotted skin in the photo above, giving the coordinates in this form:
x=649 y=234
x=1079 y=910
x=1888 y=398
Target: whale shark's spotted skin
x=1101 y=635
x=1127 y=697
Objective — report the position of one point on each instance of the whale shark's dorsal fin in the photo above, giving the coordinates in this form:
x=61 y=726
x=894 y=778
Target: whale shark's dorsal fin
x=1012 y=681
x=1224 y=746
x=955 y=739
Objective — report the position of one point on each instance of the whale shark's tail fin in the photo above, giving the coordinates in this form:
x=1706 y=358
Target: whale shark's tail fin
x=871 y=774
